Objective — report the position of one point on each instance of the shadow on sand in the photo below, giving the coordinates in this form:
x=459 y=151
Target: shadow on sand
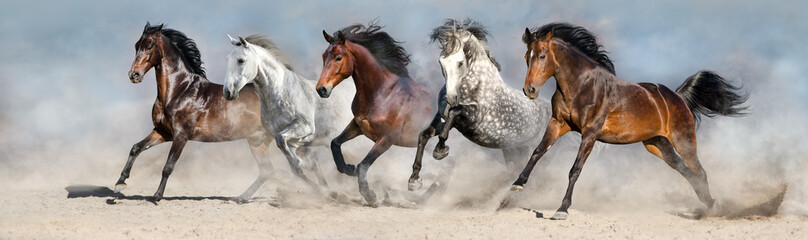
x=83 y=191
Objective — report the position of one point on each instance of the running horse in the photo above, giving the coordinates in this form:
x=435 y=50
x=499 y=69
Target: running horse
x=191 y=108
x=389 y=107
x=590 y=99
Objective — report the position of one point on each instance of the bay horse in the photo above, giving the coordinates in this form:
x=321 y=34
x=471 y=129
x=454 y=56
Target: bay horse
x=189 y=107
x=291 y=112
x=389 y=107
x=481 y=106
x=590 y=99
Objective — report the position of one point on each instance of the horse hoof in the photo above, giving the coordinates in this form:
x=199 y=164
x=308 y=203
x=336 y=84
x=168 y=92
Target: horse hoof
x=440 y=153
x=241 y=200
x=559 y=216
x=415 y=184
x=517 y=188
x=119 y=187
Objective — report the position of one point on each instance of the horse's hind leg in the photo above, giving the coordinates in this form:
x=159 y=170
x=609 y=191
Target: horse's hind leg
x=152 y=139
x=259 y=145
x=685 y=143
x=177 y=145
x=415 y=179
x=441 y=150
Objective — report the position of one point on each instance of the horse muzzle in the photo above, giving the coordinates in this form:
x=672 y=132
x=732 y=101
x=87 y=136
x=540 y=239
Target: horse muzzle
x=230 y=95
x=324 y=92
x=531 y=92
x=135 y=76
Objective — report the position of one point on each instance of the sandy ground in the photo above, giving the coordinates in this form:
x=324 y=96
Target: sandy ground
x=66 y=195
x=90 y=212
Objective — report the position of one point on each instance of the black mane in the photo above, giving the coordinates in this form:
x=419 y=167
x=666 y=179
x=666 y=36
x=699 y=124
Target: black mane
x=578 y=37
x=446 y=35
x=187 y=47
x=380 y=44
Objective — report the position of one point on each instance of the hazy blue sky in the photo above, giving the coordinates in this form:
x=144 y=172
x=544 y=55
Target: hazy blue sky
x=63 y=64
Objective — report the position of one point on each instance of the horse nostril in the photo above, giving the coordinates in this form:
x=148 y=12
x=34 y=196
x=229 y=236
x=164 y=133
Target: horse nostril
x=322 y=91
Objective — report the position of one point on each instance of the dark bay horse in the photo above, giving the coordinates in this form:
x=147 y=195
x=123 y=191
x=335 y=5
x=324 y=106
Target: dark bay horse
x=189 y=107
x=590 y=99
x=389 y=107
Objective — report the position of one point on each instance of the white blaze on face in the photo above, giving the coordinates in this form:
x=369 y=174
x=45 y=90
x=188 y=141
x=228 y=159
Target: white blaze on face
x=454 y=67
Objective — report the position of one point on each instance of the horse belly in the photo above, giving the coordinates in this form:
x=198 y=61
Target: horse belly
x=621 y=130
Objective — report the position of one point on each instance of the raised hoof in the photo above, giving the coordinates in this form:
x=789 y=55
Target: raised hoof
x=559 y=216
x=440 y=152
x=517 y=188
x=119 y=187
x=415 y=184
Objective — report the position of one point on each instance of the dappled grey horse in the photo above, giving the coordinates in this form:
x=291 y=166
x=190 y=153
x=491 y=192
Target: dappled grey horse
x=480 y=105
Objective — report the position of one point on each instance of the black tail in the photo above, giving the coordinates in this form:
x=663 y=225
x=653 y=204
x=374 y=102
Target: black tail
x=708 y=94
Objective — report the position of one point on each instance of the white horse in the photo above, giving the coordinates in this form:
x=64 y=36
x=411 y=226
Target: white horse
x=290 y=108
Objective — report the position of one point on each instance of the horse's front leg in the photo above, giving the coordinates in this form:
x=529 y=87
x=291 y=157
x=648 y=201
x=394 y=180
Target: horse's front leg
x=588 y=139
x=415 y=179
x=380 y=147
x=152 y=139
x=288 y=141
x=555 y=129
x=441 y=150
x=350 y=132
x=177 y=144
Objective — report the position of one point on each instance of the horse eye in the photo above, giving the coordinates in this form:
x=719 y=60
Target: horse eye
x=339 y=58
x=150 y=46
x=541 y=56
x=459 y=64
x=240 y=61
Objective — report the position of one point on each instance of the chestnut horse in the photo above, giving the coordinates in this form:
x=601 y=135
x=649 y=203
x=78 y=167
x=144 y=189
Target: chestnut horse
x=389 y=107
x=189 y=107
x=590 y=99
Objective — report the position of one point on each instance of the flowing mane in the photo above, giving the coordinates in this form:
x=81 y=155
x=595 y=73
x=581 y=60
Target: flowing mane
x=383 y=47
x=578 y=37
x=265 y=43
x=448 y=35
x=187 y=47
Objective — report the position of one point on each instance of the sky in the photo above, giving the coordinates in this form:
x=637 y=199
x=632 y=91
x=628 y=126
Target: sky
x=64 y=64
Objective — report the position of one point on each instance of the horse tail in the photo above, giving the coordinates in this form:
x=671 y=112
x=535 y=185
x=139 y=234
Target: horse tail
x=706 y=93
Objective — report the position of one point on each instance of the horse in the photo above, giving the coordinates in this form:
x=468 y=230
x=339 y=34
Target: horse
x=590 y=99
x=481 y=106
x=291 y=112
x=389 y=107
x=189 y=107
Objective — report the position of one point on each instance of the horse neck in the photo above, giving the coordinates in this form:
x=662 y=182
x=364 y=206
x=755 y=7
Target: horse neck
x=171 y=73
x=275 y=81
x=572 y=63
x=479 y=83
x=370 y=76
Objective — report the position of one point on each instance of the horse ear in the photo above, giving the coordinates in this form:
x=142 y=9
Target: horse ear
x=328 y=38
x=234 y=41
x=340 y=37
x=548 y=36
x=146 y=27
x=159 y=28
x=528 y=36
x=243 y=41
